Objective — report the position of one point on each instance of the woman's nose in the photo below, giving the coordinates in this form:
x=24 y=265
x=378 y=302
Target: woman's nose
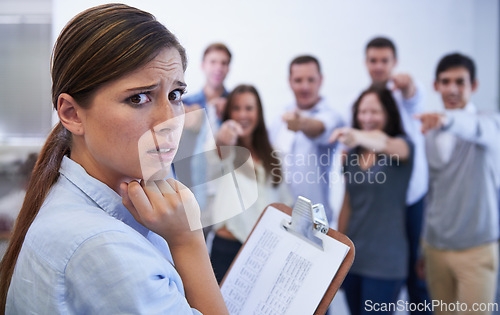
x=364 y=116
x=166 y=119
x=238 y=115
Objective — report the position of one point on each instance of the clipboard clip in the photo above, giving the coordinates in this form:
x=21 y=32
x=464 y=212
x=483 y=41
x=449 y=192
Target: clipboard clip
x=306 y=220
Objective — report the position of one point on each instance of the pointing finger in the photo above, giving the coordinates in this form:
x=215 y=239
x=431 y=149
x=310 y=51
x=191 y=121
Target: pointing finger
x=334 y=136
x=237 y=128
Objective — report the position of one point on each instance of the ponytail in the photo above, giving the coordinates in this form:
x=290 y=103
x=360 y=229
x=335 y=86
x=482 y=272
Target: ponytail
x=97 y=46
x=44 y=176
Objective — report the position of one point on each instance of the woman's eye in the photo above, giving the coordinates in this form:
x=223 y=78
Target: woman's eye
x=175 y=95
x=139 y=99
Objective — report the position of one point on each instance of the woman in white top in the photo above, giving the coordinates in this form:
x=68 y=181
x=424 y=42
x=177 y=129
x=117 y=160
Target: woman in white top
x=244 y=127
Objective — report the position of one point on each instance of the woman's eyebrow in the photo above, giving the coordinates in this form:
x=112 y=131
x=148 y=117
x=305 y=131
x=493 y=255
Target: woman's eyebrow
x=180 y=83
x=143 y=88
x=154 y=86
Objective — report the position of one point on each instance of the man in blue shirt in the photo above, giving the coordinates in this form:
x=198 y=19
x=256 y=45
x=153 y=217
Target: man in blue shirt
x=215 y=66
x=190 y=162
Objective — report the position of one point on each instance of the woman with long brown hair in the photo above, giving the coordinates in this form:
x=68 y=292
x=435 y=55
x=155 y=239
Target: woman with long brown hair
x=100 y=230
x=377 y=170
x=244 y=127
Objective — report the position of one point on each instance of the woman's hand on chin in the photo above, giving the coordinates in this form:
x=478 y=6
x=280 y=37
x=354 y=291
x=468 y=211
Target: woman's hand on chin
x=166 y=207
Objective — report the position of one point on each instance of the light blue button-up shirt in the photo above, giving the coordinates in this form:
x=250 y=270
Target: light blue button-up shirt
x=85 y=254
x=419 y=181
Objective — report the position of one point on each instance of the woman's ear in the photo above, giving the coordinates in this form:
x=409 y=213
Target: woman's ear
x=70 y=114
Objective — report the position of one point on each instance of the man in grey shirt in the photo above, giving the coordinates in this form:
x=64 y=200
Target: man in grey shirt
x=461 y=223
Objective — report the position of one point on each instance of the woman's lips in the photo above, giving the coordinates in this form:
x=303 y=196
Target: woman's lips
x=165 y=155
x=157 y=151
x=160 y=150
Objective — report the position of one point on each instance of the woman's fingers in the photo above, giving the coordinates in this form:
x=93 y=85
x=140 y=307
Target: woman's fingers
x=169 y=194
x=166 y=207
x=189 y=203
x=235 y=127
x=335 y=135
x=136 y=201
x=149 y=203
x=161 y=198
x=165 y=188
x=174 y=184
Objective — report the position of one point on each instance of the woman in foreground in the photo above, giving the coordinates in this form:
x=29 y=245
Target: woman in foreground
x=100 y=230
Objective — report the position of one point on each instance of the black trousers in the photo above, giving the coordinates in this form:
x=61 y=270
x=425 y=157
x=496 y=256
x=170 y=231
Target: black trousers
x=223 y=253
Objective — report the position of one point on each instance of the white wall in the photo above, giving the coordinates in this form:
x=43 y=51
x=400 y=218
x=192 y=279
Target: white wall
x=265 y=35
x=25 y=7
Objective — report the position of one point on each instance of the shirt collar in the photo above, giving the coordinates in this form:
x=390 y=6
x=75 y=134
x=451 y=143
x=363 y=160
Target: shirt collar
x=202 y=98
x=470 y=108
x=317 y=107
x=105 y=197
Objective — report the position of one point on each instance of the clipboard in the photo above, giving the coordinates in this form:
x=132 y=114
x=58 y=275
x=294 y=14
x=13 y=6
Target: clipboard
x=309 y=221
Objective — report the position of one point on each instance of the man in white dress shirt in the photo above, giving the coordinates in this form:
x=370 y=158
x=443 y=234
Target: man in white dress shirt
x=301 y=136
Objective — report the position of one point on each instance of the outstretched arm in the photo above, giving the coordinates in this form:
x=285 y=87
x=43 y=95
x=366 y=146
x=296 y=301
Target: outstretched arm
x=411 y=92
x=311 y=127
x=227 y=135
x=405 y=83
x=479 y=128
x=375 y=140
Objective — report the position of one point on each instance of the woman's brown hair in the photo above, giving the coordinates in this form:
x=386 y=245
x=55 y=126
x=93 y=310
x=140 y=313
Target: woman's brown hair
x=394 y=124
x=260 y=140
x=97 y=46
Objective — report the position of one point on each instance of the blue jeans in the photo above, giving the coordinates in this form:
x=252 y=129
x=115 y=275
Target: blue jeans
x=363 y=292
x=417 y=289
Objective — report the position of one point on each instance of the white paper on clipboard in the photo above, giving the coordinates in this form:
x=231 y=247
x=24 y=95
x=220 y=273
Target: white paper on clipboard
x=277 y=272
